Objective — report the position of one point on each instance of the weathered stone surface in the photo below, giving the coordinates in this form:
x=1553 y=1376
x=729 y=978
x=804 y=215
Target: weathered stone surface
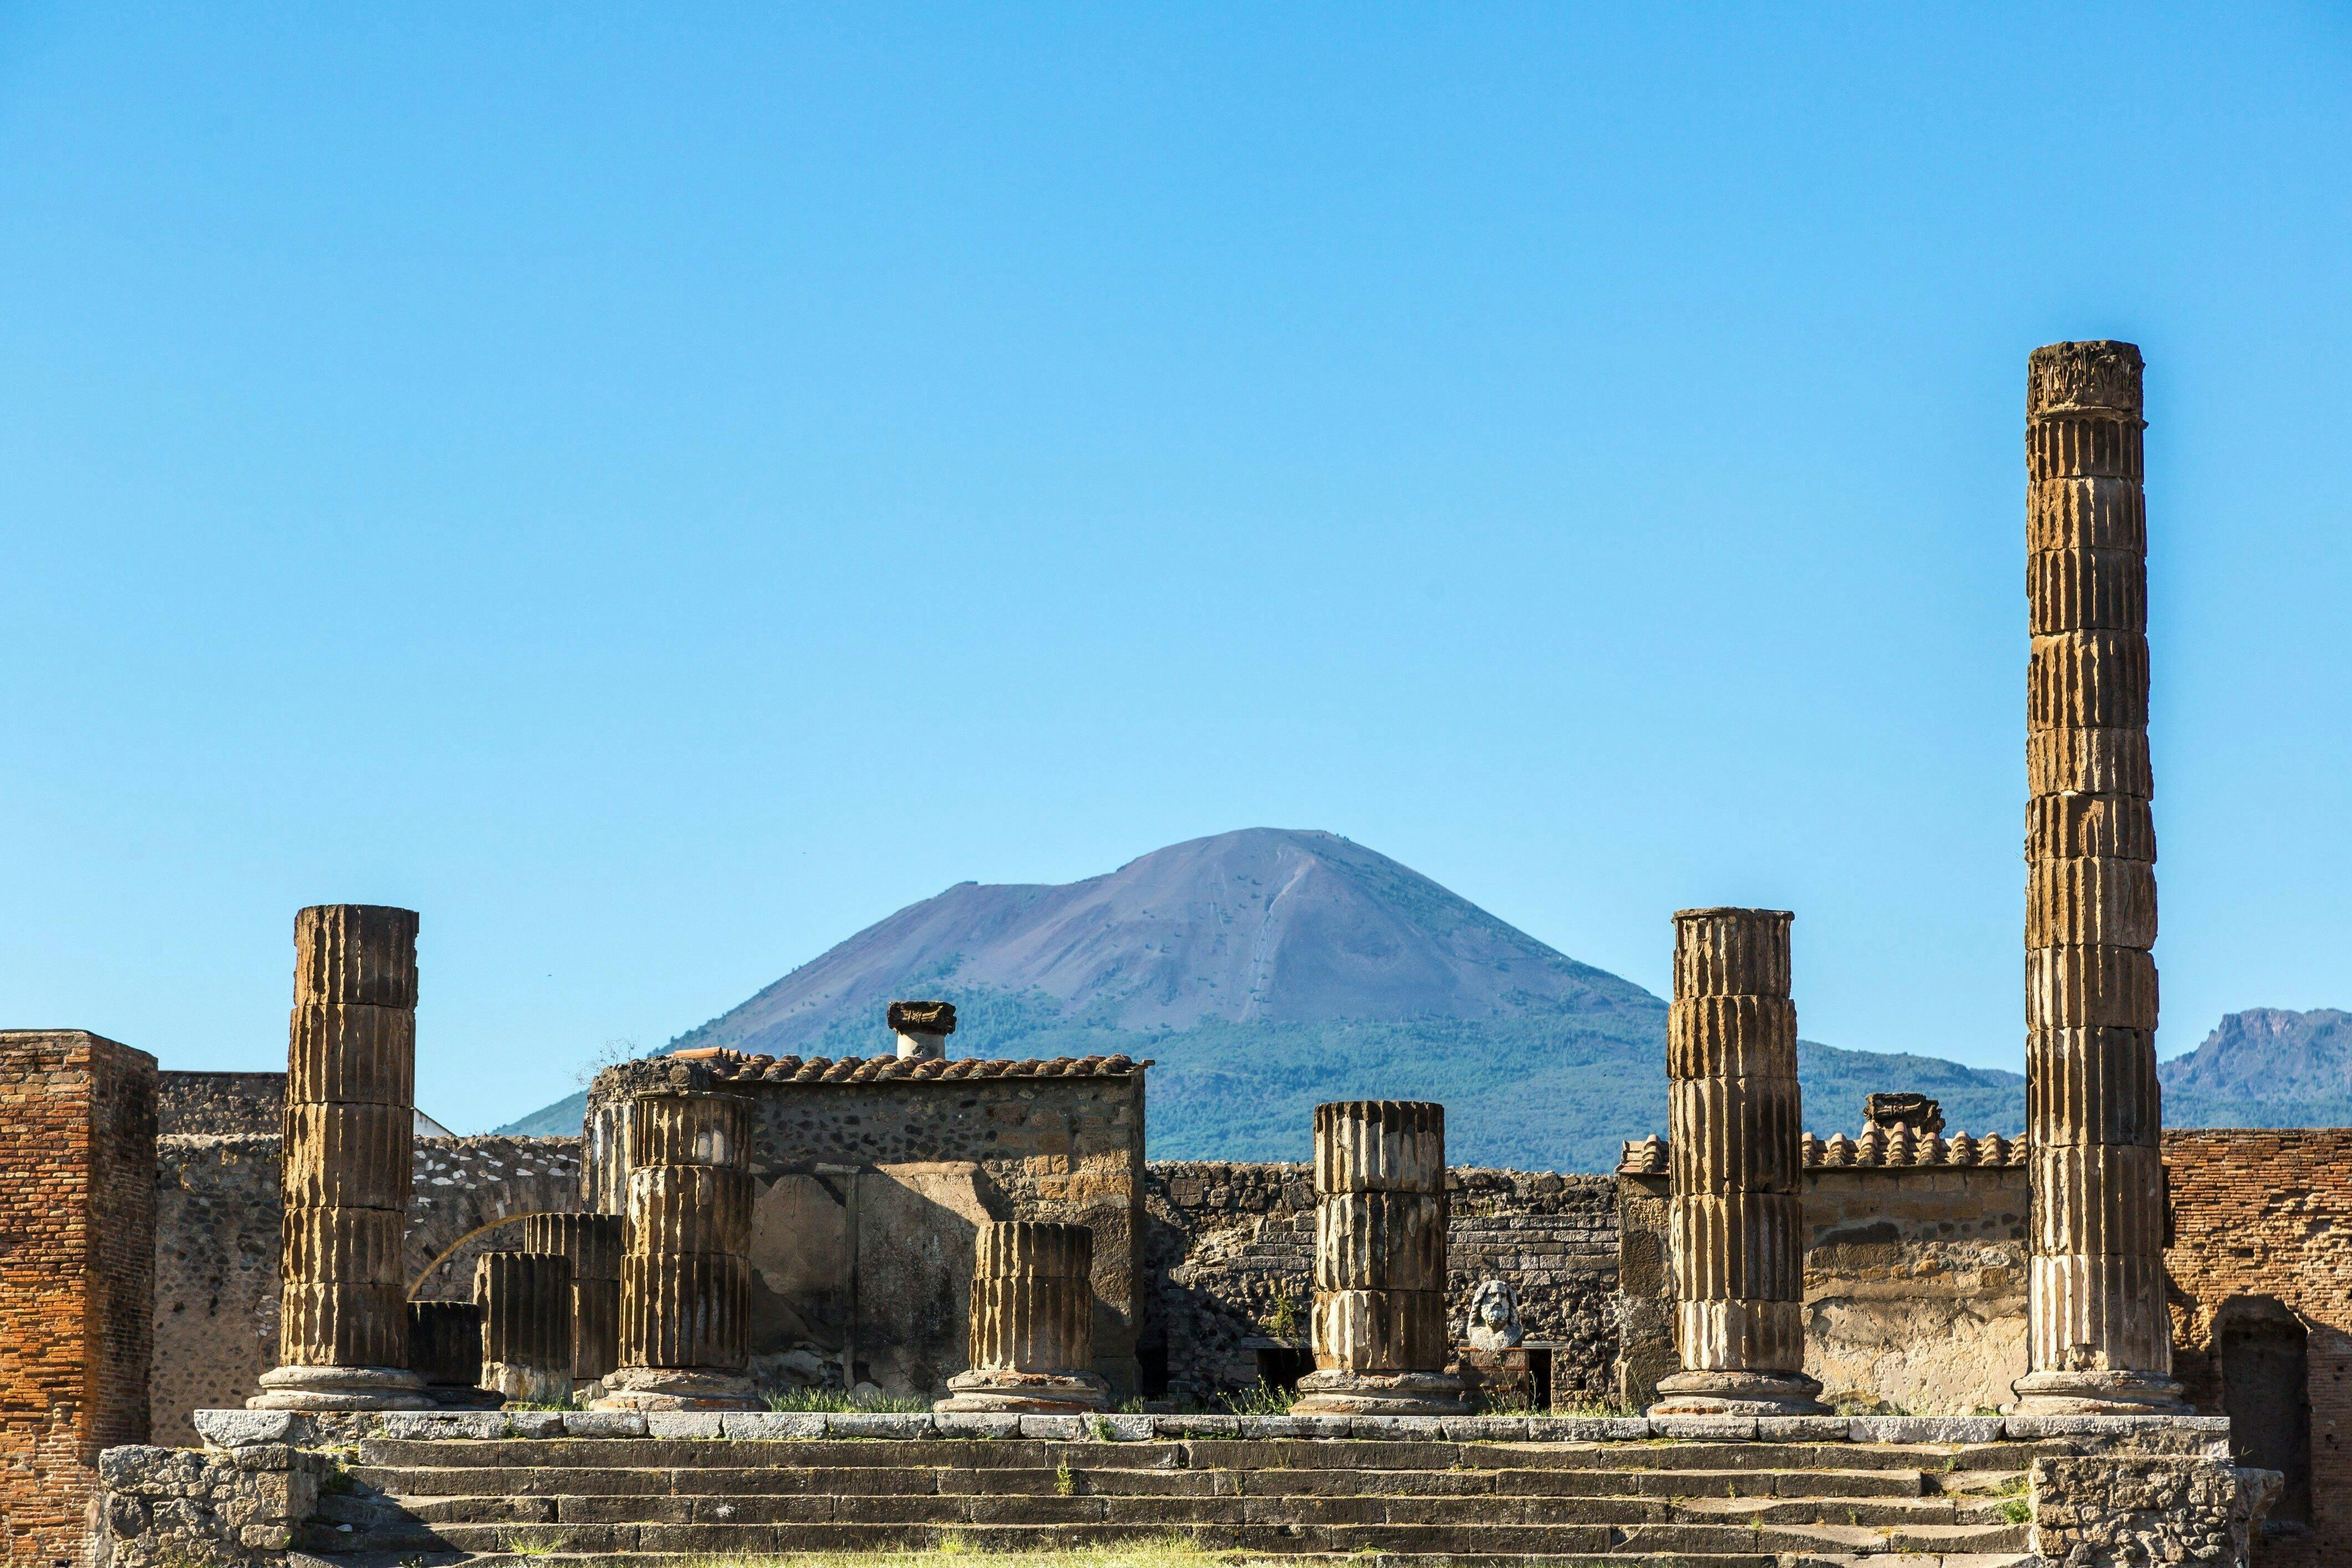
x=2110 y=1511
x=342 y=1053
x=1032 y=1322
x=713 y=1130
x=243 y=1428
x=2083 y=986
x=2087 y=681
x=594 y=1243
x=343 y=1325
x=2096 y=760
x=526 y=1301
x=2091 y=902
x=1380 y=1145
x=348 y=1156
x=1381 y=1241
x=1025 y=1249
x=689 y=1208
x=2077 y=590
x=1735 y=1221
x=332 y=1246
x=2114 y=827
x=2091 y=1087
x=684 y=1309
x=2086 y=514
x=163 y=1508
x=360 y=953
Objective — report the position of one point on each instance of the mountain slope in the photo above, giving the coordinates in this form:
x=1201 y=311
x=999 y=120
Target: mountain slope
x=2266 y=1067
x=1269 y=969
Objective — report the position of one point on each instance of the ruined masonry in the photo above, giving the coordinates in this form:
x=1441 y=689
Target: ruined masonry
x=2099 y=1337
x=351 y=1079
x=1380 y=1323
x=686 y=1277
x=594 y=1244
x=526 y=1301
x=1033 y=1322
x=1737 y=1216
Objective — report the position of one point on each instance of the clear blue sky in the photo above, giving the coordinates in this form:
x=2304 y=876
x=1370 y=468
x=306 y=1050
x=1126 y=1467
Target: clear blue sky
x=658 y=494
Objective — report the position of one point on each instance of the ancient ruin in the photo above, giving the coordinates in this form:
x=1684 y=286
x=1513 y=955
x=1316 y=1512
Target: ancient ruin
x=351 y=1081
x=2101 y=1338
x=1380 y=1322
x=1731 y=1084
x=684 y=1279
x=526 y=1301
x=592 y=1244
x=1033 y=1322
x=921 y=1028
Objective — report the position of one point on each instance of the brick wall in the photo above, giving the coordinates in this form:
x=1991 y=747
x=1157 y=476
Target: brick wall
x=2267 y=1215
x=1228 y=1242
x=76 y=1262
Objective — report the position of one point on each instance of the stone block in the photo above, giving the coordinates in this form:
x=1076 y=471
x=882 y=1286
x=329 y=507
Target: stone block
x=688 y=1209
x=2101 y=902
x=1589 y=1428
x=1380 y=1145
x=2085 y=590
x=1121 y=1428
x=2087 y=681
x=1397 y=1428
x=1054 y=1428
x=2087 y=514
x=886 y=1424
x=1196 y=1427
x=1704 y=1428
x=2077 y=826
x=994 y=1423
x=686 y=1422
x=1380 y=1241
x=1483 y=1428
x=2081 y=448
x=1801 y=1429
x=440 y=1425
x=1924 y=1428
x=1731 y=1036
x=348 y=1054
x=2101 y=761
x=358 y=954
x=242 y=1428
x=1731 y=953
x=603 y=1423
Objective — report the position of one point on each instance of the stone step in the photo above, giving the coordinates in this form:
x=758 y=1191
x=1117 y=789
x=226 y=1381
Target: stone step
x=894 y=1480
x=1359 y=1560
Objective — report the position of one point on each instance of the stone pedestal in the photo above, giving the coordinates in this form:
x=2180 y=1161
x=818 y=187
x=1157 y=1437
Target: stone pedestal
x=593 y=1242
x=526 y=1303
x=444 y=1348
x=1033 y=1322
x=1736 y=1223
x=351 y=1074
x=1380 y=1345
x=685 y=1268
x=2099 y=1337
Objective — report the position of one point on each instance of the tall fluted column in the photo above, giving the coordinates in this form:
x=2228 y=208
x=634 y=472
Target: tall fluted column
x=2100 y=1338
x=1736 y=1218
x=1380 y=1345
x=1033 y=1322
x=685 y=1267
x=526 y=1301
x=351 y=1083
x=594 y=1243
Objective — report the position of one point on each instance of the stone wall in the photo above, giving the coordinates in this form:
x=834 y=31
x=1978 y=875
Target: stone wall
x=218 y=1216
x=1229 y=1244
x=2111 y=1510
x=221 y=1508
x=2261 y=1262
x=1915 y=1285
x=226 y=1104
x=873 y=1176
x=76 y=1275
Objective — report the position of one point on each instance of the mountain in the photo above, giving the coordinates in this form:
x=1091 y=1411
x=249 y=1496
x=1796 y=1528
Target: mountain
x=2265 y=1066
x=1268 y=969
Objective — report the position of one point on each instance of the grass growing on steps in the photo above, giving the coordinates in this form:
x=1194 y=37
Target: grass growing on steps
x=1170 y=1552
x=833 y=1401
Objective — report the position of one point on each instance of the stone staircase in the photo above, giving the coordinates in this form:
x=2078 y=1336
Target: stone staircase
x=657 y=1502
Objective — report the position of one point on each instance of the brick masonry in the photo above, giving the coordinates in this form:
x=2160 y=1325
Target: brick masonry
x=76 y=1277
x=1228 y=1244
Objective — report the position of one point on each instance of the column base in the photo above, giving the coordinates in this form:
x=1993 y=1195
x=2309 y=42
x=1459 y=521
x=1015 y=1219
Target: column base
x=1035 y=1392
x=448 y=1396
x=1738 y=1394
x=1336 y=1393
x=677 y=1388
x=2096 y=1393
x=519 y=1384
x=341 y=1388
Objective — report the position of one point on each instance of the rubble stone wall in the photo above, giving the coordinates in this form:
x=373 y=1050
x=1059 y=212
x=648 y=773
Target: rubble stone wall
x=76 y=1275
x=1230 y=1243
x=1915 y=1285
x=215 y=1249
x=222 y=1507
x=2130 y=1510
x=229 y=1104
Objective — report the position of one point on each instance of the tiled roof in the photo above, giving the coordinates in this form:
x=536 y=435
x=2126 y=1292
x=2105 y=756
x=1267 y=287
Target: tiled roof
x=1875 y=1149
x=742 y=1068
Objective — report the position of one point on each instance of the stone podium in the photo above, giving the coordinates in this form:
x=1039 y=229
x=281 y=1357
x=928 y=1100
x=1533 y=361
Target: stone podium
x=1033 y=1322
x=1380 y=1337
x=351 y=1082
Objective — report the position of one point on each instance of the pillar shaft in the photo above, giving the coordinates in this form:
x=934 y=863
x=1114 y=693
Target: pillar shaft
x=593 y=1242
x=2099 y=1336
x=1378 y=1322
x=526 y=1303
x=445 y=1344
x=1033 y=1322
x=350 y=1073
x=685 y=1267
x=1736 y=1221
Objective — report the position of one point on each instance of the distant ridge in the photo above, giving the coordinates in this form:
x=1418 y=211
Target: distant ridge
x=2266 y=1067
x=1271 y=968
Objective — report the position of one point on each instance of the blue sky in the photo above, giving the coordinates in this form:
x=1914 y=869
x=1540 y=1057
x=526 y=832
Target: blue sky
x=658 y=494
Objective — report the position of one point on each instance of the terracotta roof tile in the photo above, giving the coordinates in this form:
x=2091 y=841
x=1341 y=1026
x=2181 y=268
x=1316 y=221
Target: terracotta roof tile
x=1875 y=1149
x=739 y=1068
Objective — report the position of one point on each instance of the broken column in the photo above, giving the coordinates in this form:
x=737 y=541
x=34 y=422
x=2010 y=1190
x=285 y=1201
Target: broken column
x=1736 y=1215
x=594 y=1243
x=351 y=1072
x=922 y=1027
x=2100 y=1338
x=1033 y=1322
x=1380 y=1345
x=686 y=1265
x=444 y=1348
x=526 y=1303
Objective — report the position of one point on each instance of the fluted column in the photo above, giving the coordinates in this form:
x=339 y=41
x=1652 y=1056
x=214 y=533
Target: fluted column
x=351 y=1081
x=444 y=1348
x=1378 y=1324
x=1033 y=1322
x=2100 y=1338
x=526 y=1303
x=594 y=1243
x=684 y=1266
x=921 y=1028
x=1736 y=1217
